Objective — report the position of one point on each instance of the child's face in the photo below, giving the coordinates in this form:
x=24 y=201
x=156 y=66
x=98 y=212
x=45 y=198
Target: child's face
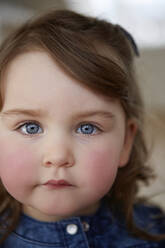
x=52 y=128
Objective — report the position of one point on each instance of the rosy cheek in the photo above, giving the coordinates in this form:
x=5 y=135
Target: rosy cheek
x=102 y=169
x=15 y=167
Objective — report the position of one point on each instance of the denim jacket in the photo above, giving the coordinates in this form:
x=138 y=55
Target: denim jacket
x=97 y=231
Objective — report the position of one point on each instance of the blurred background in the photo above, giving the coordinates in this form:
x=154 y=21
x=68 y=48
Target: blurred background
x=145 y=20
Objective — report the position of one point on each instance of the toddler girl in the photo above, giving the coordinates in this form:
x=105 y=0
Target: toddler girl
x=71 y=139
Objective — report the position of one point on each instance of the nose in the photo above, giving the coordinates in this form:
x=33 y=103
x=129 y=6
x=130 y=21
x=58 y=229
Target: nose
x=58 y=154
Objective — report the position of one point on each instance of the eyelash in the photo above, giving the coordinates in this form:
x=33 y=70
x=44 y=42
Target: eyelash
x=23 y=125
x=97 y=129
x=94 y=127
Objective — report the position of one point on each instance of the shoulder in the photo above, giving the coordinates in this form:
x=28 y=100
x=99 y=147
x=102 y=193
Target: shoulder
x=113 y=231
x=149 y=217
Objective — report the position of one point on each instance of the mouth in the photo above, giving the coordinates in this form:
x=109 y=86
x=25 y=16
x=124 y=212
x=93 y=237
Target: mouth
x=57 y=183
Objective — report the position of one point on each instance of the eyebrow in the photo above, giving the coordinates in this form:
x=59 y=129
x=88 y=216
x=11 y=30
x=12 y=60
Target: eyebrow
x=28 y=112
x=101 y=113
x=39 y=113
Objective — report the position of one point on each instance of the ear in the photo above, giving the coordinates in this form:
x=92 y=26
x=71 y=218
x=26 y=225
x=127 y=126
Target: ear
x=130 y=132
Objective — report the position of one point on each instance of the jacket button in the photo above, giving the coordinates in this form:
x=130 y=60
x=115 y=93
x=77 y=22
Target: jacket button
x=85 y=226
x=72 y=229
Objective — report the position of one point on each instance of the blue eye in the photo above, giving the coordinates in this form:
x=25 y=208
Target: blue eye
x=30 y=128
x=88 y=129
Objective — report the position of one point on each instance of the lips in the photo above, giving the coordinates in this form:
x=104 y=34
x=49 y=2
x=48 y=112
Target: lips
x=57 y=183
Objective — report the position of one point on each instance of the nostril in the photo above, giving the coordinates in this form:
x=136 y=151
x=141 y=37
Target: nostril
x=58 y=159
x=58 y=163
x=48 y=164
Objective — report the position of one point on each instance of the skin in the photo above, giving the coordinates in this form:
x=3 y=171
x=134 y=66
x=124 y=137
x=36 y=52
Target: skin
x=60 y=148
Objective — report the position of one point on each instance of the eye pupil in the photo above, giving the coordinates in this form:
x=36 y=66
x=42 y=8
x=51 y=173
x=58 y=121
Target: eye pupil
x=32 y=128
x=87 y=129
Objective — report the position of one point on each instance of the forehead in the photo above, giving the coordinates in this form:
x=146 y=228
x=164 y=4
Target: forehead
x=35 y=78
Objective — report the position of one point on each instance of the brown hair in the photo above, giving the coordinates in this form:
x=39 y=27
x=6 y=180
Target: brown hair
x=99 y=55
